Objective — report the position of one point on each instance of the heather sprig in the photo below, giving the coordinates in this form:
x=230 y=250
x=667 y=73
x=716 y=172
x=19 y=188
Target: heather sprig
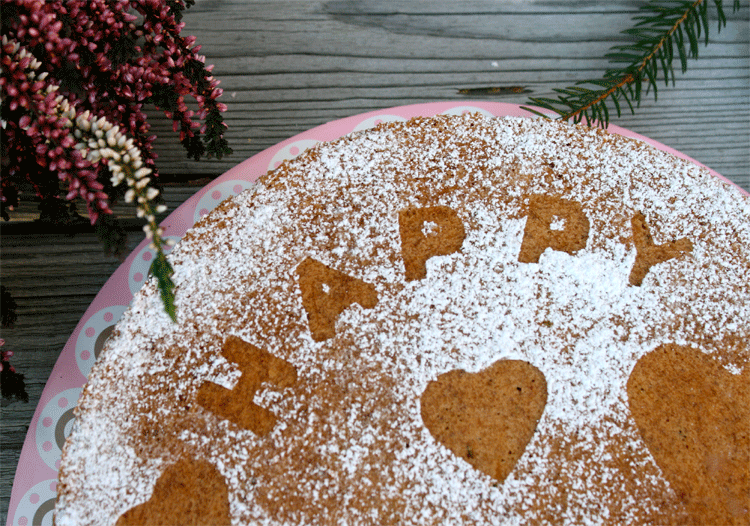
x=47 y=123
x=76 y=77
x=89 y=143
x=100 y=141
x=117 y=57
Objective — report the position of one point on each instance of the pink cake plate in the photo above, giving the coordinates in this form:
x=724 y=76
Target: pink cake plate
x=34 y=488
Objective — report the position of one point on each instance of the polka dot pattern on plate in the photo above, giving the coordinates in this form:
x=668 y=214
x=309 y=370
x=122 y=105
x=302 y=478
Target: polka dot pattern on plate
x=37 y=505
x=216 y=194
x=31 y=500
x=290 y=151
x=54 y=424
x=141 y=265
x=377 y=119
x=461 y=110
x=91 y=339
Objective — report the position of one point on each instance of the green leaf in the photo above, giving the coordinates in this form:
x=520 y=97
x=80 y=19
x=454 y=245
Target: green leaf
x=162 y=269
x=617 y=105
x=637 y=85
x=669 y=46
x=693 y=39
x=536 y=112
x=623 y=57
x=666 y=67
x=704 y=19
x=651 y=79
x=624 y=94
x=681 y=48
x=720 y=12
x=542 y=101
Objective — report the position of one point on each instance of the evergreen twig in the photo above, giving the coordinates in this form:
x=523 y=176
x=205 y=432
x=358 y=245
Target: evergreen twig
x=664 y=29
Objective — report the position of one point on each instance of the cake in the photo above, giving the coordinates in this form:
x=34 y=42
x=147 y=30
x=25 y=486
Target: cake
x=450 y=320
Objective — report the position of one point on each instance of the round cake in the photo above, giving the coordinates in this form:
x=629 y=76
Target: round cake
x=450 y=320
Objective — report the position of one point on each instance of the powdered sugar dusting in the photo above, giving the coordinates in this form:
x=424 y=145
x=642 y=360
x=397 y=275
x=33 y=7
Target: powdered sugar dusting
x=350 y=446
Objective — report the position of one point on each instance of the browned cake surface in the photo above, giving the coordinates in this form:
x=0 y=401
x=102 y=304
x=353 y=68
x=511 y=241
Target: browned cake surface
x=446 y=321
x=695 y=419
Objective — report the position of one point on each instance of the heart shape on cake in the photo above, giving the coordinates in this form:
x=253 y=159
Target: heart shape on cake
x=189 y=491
x=486 y=418
x=694 y=417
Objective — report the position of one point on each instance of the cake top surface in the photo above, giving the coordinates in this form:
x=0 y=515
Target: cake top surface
x=574 y=254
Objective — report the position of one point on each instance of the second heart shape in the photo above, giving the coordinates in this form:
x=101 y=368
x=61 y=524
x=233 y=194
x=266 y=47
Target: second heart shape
x=487 y=418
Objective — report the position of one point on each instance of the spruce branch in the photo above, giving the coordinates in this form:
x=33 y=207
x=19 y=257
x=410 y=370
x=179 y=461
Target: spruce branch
x=666 y=29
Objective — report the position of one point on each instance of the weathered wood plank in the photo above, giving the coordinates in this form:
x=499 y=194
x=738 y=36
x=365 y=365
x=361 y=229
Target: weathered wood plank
x=54 y=279
x=289 y=65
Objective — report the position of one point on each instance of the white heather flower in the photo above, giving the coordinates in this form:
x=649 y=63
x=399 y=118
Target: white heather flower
x=83 y=123
x=141 y=173
x=100 y=140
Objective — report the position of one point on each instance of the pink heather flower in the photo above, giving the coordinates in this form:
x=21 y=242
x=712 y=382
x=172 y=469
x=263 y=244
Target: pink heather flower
x=5 y=356
x=114 y=83
x=70 y=69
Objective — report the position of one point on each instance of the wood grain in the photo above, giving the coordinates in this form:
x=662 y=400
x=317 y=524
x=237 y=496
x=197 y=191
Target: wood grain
x=289 y=65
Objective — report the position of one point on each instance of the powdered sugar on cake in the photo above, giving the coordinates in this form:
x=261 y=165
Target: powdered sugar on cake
x=350 y=446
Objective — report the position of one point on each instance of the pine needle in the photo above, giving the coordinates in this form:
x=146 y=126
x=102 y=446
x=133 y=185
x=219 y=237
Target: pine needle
x=666 y=29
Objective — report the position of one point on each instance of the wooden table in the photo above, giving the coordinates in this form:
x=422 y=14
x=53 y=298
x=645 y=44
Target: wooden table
x=289 y=65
